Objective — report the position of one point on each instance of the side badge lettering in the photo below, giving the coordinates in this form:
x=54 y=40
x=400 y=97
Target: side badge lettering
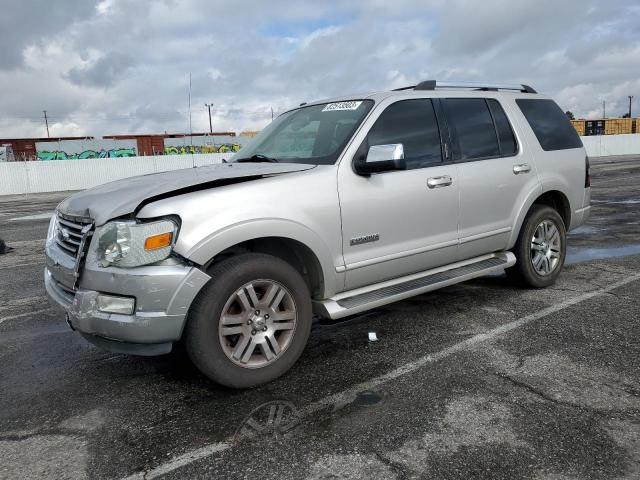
x=374 y=237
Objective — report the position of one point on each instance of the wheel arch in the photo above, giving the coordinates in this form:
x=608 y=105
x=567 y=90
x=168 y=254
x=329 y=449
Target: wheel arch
x=293 y=243
x=294 y=252
x=555 y=199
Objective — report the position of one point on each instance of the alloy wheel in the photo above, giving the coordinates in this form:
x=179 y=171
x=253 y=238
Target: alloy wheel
x=257 y=323
x=546 y=248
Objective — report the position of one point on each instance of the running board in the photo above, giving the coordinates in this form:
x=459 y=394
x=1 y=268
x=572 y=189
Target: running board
x=366 y=298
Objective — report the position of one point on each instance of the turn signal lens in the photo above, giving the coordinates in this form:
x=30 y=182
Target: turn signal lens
x=158 y=241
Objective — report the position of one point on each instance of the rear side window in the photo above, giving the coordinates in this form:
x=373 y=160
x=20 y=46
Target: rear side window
x=550 y=124
x=412 y=123
x=473 y=127
x=506 y=138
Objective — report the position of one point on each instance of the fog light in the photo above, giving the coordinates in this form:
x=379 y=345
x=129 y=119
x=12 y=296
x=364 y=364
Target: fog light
x=111 y=304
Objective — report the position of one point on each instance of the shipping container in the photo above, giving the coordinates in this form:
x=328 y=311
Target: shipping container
x=618 y=126
x=25 y=148
x=593 y=127
x=579 y=126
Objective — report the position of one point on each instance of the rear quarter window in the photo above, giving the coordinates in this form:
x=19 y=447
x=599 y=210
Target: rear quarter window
x=550 y=124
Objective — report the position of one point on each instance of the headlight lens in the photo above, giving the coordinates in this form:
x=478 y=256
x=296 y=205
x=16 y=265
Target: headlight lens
x=131 y=244
x=53 y=225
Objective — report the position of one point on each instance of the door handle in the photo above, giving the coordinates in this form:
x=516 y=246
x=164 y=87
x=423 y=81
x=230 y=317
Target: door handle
x=522 y=168
x=438 y=182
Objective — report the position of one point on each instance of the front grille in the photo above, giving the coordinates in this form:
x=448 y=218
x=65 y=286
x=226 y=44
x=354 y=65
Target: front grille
x=65 y=292
x=71 y=234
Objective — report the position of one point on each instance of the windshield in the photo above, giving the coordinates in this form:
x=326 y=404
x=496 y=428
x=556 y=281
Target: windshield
x=315 y=134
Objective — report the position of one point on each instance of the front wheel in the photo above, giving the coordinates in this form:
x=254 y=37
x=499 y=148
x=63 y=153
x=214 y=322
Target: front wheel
x=251 y=322
x=540 y=249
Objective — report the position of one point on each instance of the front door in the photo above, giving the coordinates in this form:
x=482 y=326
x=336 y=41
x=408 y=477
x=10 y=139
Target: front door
x=400 y=222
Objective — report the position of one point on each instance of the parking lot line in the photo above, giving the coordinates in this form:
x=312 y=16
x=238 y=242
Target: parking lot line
x=347 y=396
x=4 y=267
x=22 y=302
x=37 y=216
x=181 y=461
x=20 y=315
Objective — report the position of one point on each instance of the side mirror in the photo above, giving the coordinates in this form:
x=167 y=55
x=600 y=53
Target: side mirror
x=381 y=158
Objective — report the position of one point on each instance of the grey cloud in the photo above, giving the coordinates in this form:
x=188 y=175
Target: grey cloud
x=108 y=69
x=139 y=55
x=24 y=22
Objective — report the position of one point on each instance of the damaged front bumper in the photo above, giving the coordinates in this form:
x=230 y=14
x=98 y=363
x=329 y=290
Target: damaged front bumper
x=163 y=295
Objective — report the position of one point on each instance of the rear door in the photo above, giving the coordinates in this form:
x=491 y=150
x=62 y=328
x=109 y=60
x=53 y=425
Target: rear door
x=495 y=174
x=399 y=222
x=560 y=156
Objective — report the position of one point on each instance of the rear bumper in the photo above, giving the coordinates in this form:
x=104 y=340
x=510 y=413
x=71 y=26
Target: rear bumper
x=580 y=216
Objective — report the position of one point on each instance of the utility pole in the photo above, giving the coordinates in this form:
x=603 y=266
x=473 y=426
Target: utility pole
x=46 y=120
x=209 y=105
x=190 y=130
x=604 y=110
x=630 y=98
x=272 y=114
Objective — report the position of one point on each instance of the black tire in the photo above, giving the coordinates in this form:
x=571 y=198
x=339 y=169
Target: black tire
x=201 y=336
x=523 y=272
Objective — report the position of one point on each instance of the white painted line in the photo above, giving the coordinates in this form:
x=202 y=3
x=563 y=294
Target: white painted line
x=37 y=216
x=21 y=315
x=41 y=264
x=181 y=461
x=22 y=302
x=347 y=396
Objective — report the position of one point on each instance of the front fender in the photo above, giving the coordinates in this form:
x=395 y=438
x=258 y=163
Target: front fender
x=218 y=241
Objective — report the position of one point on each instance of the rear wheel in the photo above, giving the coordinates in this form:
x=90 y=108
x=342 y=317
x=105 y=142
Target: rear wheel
x=540 y=249
x=251 y=322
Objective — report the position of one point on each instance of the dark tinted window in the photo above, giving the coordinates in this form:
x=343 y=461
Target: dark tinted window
x=550 y=124
x=412 y=123
x=505 y=133
x=473 y=127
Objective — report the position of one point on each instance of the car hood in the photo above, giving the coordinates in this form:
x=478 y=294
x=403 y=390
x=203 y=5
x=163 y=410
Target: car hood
x=124 y=197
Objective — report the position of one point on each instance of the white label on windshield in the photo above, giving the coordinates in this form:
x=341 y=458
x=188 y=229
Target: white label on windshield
x=332 y=107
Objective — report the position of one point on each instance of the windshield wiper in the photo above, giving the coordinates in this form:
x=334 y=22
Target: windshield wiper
x=258 y=158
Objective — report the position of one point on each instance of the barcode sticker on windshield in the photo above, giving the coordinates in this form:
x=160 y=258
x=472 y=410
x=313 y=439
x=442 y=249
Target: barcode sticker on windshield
x=332 y=107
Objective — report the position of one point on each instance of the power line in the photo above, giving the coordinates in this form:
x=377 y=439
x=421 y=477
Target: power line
x=83 y=116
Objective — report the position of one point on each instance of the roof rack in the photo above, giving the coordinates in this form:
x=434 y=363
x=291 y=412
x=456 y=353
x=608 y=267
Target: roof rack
x=433 y=84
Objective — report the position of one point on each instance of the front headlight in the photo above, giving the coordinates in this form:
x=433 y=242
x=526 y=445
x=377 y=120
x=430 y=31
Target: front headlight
x=131 y=244
x=53 y=225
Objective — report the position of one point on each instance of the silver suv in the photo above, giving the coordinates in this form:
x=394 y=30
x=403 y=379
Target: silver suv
x=337 y=207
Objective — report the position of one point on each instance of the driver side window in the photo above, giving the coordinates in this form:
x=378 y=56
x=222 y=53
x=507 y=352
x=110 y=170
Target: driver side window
x=412 y=123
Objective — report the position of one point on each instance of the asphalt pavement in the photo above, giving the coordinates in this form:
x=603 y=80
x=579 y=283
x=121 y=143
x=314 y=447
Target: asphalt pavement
x=478 y=380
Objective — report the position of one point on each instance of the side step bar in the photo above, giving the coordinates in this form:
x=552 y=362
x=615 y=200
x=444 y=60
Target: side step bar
x=366 y=298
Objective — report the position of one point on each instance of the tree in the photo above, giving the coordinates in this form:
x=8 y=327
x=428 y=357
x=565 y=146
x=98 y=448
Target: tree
x=570 y=115
x=626 y=115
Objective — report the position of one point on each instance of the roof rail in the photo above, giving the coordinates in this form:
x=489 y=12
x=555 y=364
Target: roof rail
x=433 y=84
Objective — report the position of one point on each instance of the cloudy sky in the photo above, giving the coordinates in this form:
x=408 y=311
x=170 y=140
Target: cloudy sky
x=122 y=66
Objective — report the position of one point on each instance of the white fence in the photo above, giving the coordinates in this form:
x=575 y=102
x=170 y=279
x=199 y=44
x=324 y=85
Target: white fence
x=604 y=145
x=62 y=175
